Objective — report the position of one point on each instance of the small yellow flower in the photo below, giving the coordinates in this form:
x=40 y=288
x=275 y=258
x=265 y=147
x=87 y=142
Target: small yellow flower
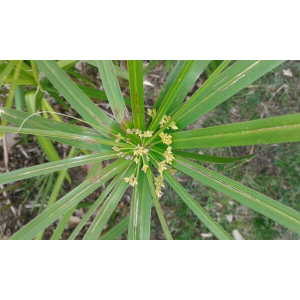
x=166 y=139
x=131 y=180
x=129 y=157
x=119 y=136
x=139 y=150
x=162 y=166
x=129 y=131
x=121 y=154
x=136 y=160
x=151 y=112
x=158 y=193
x=173 y=126
x=127 y=180
x=164 y=120
x=144 y=168
x=138 y=131
x=128 y=141
x=169 y=157
x=172 y=171
x=116 y=148
x=117 y=140
x=169 y=150
x=148 y=133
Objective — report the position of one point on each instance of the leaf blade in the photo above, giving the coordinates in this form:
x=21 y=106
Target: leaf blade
x=135 y=71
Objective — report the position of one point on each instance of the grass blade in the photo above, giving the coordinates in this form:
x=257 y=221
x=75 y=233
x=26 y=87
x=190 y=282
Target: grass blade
x=214 y=159
x=203 y=216
x=144 y=209
x=118 y=70
x=11 y=92
x=223 y=86
x=6 y=71
x=254 y=200
x=160 y=214
x=135 y=71
x=263 y=131
x=113 y=92
x=95 y=205
x=47 y=217
x=175 y=93
x=81 y=103
x=116 y=231
x=108 y=207
x=55 y=166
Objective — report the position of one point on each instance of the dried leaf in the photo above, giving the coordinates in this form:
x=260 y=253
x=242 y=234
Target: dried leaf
x=288 y=73
x=236 y=235
x=229 y=218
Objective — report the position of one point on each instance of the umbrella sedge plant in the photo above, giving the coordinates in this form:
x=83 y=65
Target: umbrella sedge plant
x=149 y=145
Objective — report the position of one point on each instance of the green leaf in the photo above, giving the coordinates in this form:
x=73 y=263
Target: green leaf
x=135 y=70
x=254 y=200
x=178 y=91
x=263 y=131
x=221 y=88
x=55 y=135
x=81 y=103
x=116 y=231
x=113 y=92
x=204 y=217
x=144 y=209
x=55 y=166
x=6 y=71
x=167 y=86
x=11 y=93
x=159 y=211
x=67 y=64
x=149 y=67
x=108 y=207
x=99 y=95
x=84 y=137
x=214 y=159
x=70 y=200
x=119 y=71
x=96 y=205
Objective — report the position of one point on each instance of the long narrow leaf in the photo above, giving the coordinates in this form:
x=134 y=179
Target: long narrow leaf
x=11 y=93
x=108 y=207
x=223 y=86
x=255 y=200
x=116 y=231
x=204 y=217
x=174 y=93
x=95 y=205
x=263 y=131
x=83 y=105
x=113 y=92
x=55 y=166
x=135 y=70
x=43 y=220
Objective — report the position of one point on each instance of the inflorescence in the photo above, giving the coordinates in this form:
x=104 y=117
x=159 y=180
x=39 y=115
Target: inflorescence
x=140 y=154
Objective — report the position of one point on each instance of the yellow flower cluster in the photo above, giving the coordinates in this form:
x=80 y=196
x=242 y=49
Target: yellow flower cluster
x=146 y=134
x=159 y=183
x=115 y=148
x=168 y=155
x=140 y=150
x=164 y=120
x=131 y=180
x=144 y=168
x=166 y=138
x=119 y=137
x=151 y=112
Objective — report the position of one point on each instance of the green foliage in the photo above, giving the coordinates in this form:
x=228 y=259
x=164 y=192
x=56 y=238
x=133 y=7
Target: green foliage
x=145 y=156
